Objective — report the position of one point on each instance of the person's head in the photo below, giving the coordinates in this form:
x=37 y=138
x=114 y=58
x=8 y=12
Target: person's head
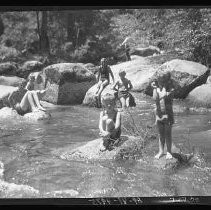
x=161 y=80
x=103 y=62
x=122 y=73
x=108 y=102
x=164 y=79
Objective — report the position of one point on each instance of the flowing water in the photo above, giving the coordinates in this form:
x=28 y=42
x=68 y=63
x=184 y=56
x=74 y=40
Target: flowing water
x=28 y=152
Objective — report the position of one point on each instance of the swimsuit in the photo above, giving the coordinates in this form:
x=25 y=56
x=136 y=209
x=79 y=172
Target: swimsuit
x=122 y=91
x=164 y=110
x=104 y=72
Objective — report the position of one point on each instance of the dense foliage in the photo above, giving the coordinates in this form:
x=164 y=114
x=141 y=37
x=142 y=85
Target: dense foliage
x=87 y=35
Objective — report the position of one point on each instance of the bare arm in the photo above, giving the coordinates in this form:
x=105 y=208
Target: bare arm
x=101 y=122
x=130 y=85
x=28 y=86
x=112 y=76
x=118 y=121
x=115 y=86
x=98 y=75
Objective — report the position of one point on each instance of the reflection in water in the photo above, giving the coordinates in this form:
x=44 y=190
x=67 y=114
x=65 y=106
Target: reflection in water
x=28 y=152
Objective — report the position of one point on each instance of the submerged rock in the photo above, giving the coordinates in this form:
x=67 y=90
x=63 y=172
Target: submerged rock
x=8 y=113
x=11 y=190
x=62 y=194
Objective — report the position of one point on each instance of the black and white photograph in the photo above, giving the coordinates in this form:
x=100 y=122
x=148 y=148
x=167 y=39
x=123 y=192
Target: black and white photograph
x=105 y=105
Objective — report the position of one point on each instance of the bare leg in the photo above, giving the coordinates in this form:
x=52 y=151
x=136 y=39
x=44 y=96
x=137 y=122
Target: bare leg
x=168 y=135
x=103 y=84
x=27 y=102
x=161 y=130
x=123 y=102
x=37 y=101
x=98 y=87
x=127 y=101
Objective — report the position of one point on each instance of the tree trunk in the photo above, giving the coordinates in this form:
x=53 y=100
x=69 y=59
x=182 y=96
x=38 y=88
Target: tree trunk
x=1 y=26
x=70 y=29
x=44 y=40
x=38 y=28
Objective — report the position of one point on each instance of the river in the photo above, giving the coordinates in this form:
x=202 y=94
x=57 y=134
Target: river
x=28 y=153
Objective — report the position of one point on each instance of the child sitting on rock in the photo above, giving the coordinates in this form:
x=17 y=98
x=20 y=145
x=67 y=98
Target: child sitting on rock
x=29 y=100
x=123 y=86
x=110 y=122
x=163 y=96
x=103 y=79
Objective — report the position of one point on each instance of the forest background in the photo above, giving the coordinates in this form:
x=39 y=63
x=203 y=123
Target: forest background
x=87 y=35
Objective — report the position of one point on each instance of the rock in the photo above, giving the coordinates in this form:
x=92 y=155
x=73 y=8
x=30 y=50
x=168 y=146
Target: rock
x=36 y=116
x=8 y=68
x=90 y=99
x=62 y=194
x=186 y=75
x=148 y=51
x=200 y=96
x=129 y=147
x=66 y=83
x=91 y=67
x=28 y=67
x=11 y=80
x=4 y=93
x=165 y=164
x=11 y=190
x=1 y=170
x=11 y=114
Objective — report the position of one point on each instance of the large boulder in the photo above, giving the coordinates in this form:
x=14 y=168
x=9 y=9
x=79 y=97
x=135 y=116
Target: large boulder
x=144 y=52
x=186 y=75
x=4 y=93
x=90 y=99
x=200 y=96
x=8 y=68
x=11 y=80
x=28 y=67
x=11 y=114
x=66 y=83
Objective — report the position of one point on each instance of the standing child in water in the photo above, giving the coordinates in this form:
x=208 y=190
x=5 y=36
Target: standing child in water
x=103 y=78
x=123 y=86
x=163 y=96
x=110 y=122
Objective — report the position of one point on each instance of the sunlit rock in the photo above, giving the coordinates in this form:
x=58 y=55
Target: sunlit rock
x=11 y=114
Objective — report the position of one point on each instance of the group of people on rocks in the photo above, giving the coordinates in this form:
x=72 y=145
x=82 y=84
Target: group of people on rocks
x=110 y=116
